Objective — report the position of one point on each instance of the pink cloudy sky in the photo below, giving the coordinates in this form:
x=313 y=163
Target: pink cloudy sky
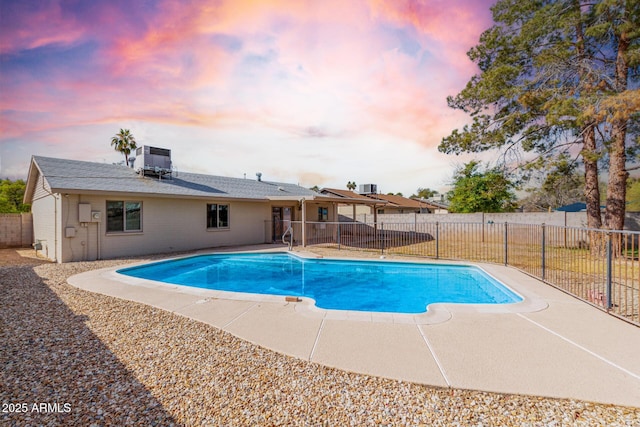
x=314 y=92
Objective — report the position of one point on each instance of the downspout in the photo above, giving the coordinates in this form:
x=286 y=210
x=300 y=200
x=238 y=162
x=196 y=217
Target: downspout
x=99 y=240
x=55 y=228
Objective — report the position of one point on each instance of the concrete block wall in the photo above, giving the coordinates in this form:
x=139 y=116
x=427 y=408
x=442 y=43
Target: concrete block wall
x=27 y=229
x=568 y=219
x=16 y=230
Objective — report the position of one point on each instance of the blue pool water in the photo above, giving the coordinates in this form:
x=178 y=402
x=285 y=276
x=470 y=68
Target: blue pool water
x=334 y=284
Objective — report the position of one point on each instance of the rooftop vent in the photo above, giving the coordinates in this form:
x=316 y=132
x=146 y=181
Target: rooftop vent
x=259 y=176
x=368 y=189
x=153 y=161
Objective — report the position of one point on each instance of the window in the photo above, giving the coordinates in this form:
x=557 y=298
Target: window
x=217 y=216
x=124 y=216
x=323 y=214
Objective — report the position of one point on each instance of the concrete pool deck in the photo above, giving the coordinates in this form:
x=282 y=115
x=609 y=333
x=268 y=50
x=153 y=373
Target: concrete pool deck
x=549 y=345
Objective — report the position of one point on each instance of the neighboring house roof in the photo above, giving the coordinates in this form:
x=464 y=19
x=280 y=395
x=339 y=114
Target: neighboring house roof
x=348 y=194
x=402 y=202
x=575 y=207
x=73 y=176
x=343 y=193
x=436 y=205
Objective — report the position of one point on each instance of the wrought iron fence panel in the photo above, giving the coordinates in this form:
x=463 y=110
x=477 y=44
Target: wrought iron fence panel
x=601 y=267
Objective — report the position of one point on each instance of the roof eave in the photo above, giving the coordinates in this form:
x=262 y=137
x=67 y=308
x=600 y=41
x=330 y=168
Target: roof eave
x=350 y=201
x=290 y=198
x=32 y=179
x=130 y=194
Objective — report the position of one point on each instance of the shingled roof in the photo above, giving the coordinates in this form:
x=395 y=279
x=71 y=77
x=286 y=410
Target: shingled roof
x=403 y=202
x=350 y=196
x=343 y=193
x=73 y=176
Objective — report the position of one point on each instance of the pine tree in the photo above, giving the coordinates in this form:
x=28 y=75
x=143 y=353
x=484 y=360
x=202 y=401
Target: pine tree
x=551 y=81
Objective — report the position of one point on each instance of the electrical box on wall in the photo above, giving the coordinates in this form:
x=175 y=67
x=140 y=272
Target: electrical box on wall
x=84 y=212
x=96 y=216
x=69 y=232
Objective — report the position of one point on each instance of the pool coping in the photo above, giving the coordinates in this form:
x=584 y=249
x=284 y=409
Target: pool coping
x=435 y=313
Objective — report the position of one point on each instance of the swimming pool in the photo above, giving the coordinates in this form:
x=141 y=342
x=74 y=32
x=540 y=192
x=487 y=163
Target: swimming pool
x=398 y=287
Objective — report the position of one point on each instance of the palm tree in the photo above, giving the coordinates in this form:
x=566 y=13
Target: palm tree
x=124 y=142
x=351 y=185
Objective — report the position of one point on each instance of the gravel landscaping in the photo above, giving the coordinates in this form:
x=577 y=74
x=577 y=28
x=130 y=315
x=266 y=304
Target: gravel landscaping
x=71 y=357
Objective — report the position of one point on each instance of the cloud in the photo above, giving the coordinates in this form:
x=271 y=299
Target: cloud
x=459 y=21
x=24 y=27
x=282 y=73
x=450 y=27
x=286 y=60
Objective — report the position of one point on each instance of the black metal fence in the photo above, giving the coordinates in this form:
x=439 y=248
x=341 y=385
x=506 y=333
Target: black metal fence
x=598 y=266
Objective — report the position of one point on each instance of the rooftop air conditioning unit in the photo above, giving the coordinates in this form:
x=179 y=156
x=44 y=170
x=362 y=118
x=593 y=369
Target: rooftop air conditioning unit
x=153 y=161
x=368 y=189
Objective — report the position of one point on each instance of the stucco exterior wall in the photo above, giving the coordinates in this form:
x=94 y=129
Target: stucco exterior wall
x=168 y=225
x=311 y=209
x=347 y=210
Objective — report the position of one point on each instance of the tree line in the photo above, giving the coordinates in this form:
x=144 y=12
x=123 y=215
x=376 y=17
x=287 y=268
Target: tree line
x=11 y=195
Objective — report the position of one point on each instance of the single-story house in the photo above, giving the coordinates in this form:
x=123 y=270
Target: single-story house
x=86 y=211
x=353 y=203
x=436 y=206
x=401 y=205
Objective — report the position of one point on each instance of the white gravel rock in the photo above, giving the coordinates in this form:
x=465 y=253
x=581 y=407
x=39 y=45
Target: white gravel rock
x=98 y=360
